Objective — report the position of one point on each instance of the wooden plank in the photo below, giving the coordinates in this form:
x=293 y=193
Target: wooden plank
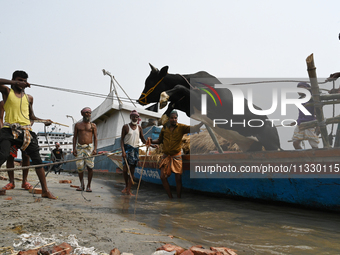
x=316 y=98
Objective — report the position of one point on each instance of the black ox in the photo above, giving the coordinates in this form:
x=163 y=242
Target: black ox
x=176 y=89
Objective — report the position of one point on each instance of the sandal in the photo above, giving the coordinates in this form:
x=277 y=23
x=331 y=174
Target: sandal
x=80 y=189
x=26 y=186
x=88 y=189
x=9 y=186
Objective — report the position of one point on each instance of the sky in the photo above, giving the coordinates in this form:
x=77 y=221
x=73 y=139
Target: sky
x=66 y=44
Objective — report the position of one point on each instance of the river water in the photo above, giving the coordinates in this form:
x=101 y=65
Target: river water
x=248 y=227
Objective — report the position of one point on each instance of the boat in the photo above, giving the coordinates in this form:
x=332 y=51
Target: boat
x=307 y=178
x=47 y=143
x=313 y=180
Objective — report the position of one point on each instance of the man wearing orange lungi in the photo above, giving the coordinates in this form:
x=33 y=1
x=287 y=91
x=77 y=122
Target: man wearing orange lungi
x=171 y=138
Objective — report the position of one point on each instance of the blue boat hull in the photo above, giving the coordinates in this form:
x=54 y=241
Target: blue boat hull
x=318 y=193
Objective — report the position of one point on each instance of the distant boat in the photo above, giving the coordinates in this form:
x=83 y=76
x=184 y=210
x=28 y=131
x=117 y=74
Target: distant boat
x=46 y=145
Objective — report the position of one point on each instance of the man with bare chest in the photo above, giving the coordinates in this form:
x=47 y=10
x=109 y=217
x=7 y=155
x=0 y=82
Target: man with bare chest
x=85 y=145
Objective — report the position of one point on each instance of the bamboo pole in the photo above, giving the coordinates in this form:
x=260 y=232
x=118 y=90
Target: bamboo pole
x=316 y=98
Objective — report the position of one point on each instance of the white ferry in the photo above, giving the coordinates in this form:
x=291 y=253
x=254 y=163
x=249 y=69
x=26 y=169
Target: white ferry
x=47 y=145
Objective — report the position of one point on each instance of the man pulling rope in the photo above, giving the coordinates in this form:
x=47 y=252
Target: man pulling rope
x=17 y=130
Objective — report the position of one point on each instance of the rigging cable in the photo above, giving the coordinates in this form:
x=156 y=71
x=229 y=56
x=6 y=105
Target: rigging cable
x=128 y=100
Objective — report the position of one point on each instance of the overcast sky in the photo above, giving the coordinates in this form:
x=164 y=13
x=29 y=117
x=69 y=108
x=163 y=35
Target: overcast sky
x=67 y=44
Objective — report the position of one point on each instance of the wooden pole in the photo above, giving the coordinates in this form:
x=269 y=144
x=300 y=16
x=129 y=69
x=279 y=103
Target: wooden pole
x=128 y=167
x=330 y=96
x=213 y=137
x=53 y=122
x=325 y=103
x=314 y=123
x=316 y=98
x=141 y=173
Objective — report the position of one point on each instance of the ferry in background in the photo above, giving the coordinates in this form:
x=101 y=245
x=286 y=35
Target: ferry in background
x=47 y=145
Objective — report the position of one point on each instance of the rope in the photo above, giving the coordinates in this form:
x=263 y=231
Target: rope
x=128 y=100
x=123 y=91
x=63 y=162
x=187 y=81
x=113 y=137
x=82 y=92
x=55 y=163
x=145 y=95
x=148 y=130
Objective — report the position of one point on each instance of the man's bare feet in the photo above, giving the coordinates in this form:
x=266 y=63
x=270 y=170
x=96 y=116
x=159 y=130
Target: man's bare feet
x=124 y=190
x=129 y=193
x=48 y=194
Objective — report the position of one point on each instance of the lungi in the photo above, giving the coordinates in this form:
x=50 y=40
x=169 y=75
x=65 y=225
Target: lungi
x=132 y=155
x=171 y=164
x=84 y=150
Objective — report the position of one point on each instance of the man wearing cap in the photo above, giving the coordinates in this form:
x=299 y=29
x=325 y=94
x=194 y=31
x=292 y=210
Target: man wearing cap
x=171 y=138
x=131 y=133
x=57 y=155
x=309 y=133
x=85 y=145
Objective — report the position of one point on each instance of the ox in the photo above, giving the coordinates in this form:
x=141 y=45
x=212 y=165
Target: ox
x=176 y=89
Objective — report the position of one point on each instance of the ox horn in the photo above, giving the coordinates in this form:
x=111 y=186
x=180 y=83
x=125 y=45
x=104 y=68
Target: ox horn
x=153 y=69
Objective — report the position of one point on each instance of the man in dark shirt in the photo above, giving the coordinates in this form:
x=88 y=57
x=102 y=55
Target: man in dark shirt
x=57 y=155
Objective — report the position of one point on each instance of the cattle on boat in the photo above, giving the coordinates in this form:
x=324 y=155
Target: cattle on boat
x=162 y=87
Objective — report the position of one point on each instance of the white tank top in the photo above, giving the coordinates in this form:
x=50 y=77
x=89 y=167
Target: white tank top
x=132 y=137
